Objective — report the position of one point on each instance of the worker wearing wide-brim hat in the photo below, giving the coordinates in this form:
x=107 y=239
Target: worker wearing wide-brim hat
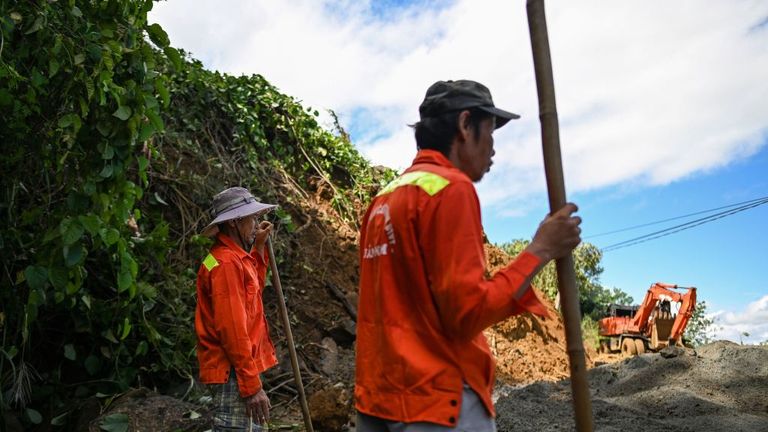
x=234 y=346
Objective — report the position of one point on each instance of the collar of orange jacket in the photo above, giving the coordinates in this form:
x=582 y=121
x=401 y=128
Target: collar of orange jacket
x=432 y=157
x=228 y=242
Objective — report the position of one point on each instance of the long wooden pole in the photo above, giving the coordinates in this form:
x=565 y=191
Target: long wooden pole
x=553 y=167
x=289 y=335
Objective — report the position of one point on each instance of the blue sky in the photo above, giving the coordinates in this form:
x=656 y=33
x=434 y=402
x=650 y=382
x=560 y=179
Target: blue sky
x=723 y=258
x=663 y=110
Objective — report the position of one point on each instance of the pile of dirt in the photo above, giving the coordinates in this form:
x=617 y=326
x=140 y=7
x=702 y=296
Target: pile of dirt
x=721 y=386
x=528 y=348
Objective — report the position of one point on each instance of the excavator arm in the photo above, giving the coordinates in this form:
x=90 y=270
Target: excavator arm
x=656 y=293
x=684 y=314
x=664 y=292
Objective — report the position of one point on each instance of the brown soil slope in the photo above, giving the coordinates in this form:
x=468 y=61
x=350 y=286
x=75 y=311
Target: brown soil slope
x=719 y=387
x=528 y=348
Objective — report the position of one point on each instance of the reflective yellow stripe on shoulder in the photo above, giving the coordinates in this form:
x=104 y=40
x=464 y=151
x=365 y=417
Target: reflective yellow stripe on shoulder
x=430 y=183
x=210 y=262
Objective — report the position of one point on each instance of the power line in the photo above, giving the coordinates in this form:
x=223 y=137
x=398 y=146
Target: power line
x=682 y=227
x=675 y=218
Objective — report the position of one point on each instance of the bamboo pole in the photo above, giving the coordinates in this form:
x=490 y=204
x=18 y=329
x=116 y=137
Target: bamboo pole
x=287 y=327
x=566 y=276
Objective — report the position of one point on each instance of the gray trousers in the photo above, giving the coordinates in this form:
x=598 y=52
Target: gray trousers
x=472 y=417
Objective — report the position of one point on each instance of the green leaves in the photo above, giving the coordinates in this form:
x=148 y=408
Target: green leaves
x=60 y=420
x=109 y=236
x=33 y=416
x=80 y=96
x=126 y=329
x=90 y=222
x=36 y=26
x=162 y=91
x=73 y=254
x=173 y=56
x=158 y=36
x=699 y=329
x=123 y=112
x=59 y=277
x=71 y=231
x=69 y=352
x=115 y=423
x=70 y=120
x=128 y=270
x=36 y=277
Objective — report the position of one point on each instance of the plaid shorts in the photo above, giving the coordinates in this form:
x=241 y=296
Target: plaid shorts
x=230 y=413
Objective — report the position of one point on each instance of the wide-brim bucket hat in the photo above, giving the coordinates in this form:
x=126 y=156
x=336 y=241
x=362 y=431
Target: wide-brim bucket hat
x=233 y=203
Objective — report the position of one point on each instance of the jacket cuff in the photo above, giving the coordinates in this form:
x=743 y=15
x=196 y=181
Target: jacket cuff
x=249 y=388
x=525 y=264
x=531 y=303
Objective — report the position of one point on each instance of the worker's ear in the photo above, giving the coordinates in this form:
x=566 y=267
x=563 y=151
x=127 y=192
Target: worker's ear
x=465 y=128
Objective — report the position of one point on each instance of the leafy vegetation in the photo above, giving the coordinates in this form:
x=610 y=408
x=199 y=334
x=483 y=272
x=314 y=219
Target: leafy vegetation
x=699 y=329
x=594 y=299
x=113 y=143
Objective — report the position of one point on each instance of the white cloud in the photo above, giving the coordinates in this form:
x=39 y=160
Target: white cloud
x=753 y=321
x=648 y=92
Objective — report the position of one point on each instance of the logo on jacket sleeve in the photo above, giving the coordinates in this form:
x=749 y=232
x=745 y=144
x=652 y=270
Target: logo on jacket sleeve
x=380 y=214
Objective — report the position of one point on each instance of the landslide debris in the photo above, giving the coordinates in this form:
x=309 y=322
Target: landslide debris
x=528 y=348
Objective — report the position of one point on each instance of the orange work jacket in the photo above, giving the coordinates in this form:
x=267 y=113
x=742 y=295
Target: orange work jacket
x=231 y=328
x=424 y=298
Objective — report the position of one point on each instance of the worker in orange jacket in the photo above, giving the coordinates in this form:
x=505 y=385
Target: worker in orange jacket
x=233 y=336
x=422 y=362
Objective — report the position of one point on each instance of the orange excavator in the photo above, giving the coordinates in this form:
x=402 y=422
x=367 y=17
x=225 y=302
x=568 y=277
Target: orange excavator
x=658 y=322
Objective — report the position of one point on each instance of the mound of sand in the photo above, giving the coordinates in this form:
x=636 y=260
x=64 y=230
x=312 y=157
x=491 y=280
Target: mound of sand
x=721 y=386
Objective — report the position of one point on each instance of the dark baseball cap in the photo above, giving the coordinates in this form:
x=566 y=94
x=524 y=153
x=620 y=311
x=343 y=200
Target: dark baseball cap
x=448 y=96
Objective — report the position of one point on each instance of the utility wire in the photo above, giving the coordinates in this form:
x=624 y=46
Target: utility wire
x=682 y=227
x=675 y=218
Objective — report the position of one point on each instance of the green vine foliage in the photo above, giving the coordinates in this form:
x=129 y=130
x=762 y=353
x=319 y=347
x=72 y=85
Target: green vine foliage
x=113 y=143
x=80 y=94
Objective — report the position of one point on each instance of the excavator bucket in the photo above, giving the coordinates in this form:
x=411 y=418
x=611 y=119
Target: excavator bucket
x=660 y=332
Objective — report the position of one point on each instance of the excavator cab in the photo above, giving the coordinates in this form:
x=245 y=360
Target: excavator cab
x=617 y=310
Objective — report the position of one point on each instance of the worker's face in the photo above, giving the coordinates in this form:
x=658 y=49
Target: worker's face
x=476 y=151
x=247 y=227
